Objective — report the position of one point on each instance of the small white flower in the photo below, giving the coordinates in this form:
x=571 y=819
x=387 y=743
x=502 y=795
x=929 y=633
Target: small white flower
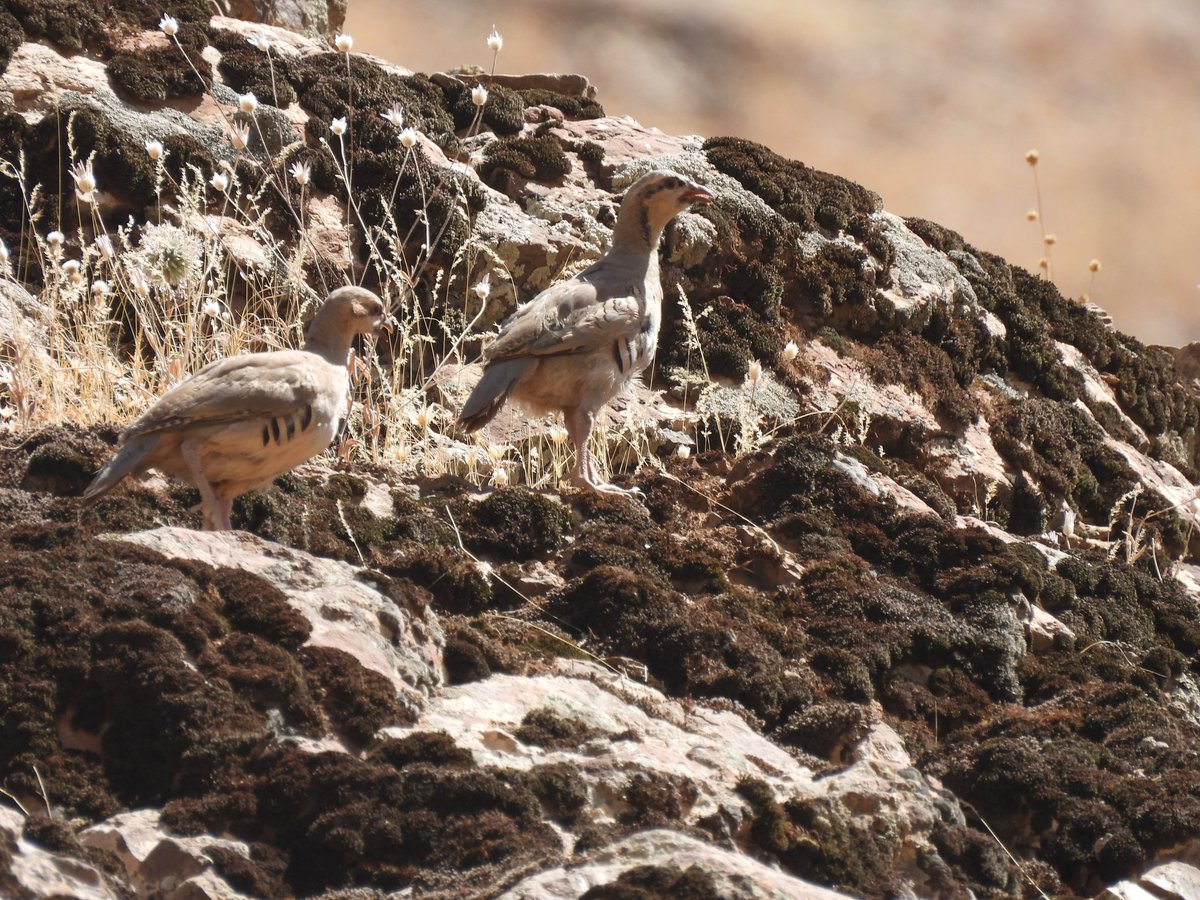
x=408 y=138
x=258 y=41
x=104 y=246
x=479 y=95
x=494 y=41
x=499 y=478
x=168 y=25
x=247 y=102
x=338 y=126
x=154 y=149
x=754 y=372
x=301 y=171
x=219 y=181
x=240 y=137
x=99 y=288
x=790 y=351
x=483 y=287
x=683 y=451
x=395 y=115
x=85 y=180
x=55 y=239
x=71 y=268
x=3 y=253
x=344 y=43
x=212 y=309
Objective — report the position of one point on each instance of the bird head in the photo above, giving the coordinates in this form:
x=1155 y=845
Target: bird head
x=353 y=310
x=653 y=200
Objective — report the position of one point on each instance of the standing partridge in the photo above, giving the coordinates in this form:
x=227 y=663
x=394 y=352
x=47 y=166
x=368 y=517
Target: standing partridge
x=239 y=422
x=575 y=345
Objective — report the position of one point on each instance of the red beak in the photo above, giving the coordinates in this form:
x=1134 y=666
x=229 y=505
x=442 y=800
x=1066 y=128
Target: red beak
x=698 y=194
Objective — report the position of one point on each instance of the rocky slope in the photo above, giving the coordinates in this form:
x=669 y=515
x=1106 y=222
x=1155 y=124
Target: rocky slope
x=914 y=618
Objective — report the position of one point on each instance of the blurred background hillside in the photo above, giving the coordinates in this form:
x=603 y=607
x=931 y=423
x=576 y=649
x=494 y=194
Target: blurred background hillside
x=931 y=103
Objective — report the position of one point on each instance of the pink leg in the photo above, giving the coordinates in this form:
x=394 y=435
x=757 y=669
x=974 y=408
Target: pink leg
x=579 y=426
x=213 y=520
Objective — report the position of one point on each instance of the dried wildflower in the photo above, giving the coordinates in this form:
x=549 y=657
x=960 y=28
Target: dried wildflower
x=483 y=287
x=55 y=240
x=100 y=287
x=3 y=253
x=1050 y=240
x=259 y=41
x=1032 y=215
x=424 y=417
x=790 y=351
x=1043 y=263
x=558 y=435
x=683 y=451
x=212 y=309
x=395 y=115
x=168 y=25
x=499 y=479
x=494 y=41
x=240 y=136
x=484 y=568
x=344 y=43
x=219 y=181
x=301 y=171
x=247 y=102
x=85 y=181
x=154 y=149
x=71 y=268
x=479 y=95
x=1032 y=157
x=754 y=372
x=141 y=284
x=1094 y=265
x=170 y=254
x=497 y=452
x=408 y=138
x=104 y=246
x=338 y=126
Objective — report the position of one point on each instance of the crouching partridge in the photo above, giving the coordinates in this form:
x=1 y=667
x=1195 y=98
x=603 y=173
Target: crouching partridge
x=575 y=345
x=239 y=422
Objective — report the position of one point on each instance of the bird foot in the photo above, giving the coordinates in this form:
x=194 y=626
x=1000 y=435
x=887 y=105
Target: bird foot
x=604 y=487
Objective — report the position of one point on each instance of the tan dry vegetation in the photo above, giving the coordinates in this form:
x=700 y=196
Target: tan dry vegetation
x=931 y=104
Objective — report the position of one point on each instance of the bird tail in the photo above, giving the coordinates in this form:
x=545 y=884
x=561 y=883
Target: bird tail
x=129 y=458
x=490 y=393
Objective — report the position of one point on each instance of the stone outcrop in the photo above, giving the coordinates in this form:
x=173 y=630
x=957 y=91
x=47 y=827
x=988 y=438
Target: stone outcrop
x=911 y=615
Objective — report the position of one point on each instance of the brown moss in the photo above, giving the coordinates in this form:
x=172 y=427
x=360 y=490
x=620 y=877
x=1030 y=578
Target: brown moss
x=357 y=700
x=537 y=156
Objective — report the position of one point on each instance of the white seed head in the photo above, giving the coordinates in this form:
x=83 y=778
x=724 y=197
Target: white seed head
x=301 y=171
x=71 y=268
x=55 y=238
x=754 y=372
x=683 y=451
x=483 y=287
x=3 y=253
x=558 y=435
x=408 y=138
x=479 y=95
x=247 y=102
x=484 y=568
x=425 y=417
x=99 y=288
x=1068 y=525
x=240 y=136
x=141 y=284
x=1050 y=239
x=219 y=181
x=1044 y=263
x=395 y=115
x=1094 y=265
x=212 y=309
x=499 y=478
x=1194 y=506
x=344 y=43
x=154 y=149
x=85 y=180
x=1032 y=215
x=1032 y=157
x=338 y=126
x=494 y=41
x=105 y=248
x=259 y=41
x=168 y=25
x=790 y=351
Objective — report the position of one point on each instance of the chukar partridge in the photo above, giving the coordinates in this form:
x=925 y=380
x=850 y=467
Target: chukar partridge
x=239 y=422
x=575 y=345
